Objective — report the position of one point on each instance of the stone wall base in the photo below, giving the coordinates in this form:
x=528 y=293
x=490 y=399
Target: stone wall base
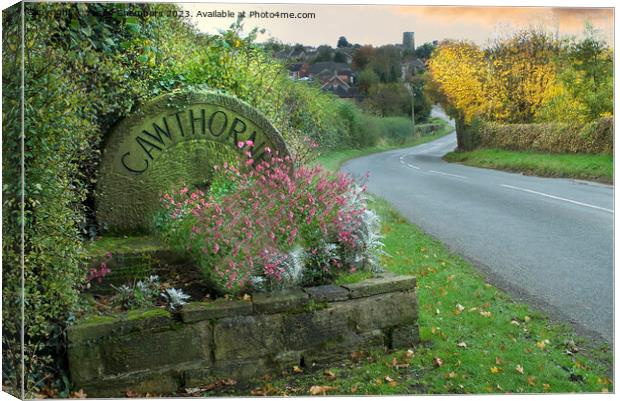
x=158 y=352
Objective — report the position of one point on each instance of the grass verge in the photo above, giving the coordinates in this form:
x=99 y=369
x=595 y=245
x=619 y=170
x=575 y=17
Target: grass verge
x=334 y=159
x=583 y=166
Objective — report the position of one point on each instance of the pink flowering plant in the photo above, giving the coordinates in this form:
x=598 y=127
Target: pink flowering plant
x=99 y=272
x=264 y=224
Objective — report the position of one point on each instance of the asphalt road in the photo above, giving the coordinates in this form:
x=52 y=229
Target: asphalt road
x=546 y=241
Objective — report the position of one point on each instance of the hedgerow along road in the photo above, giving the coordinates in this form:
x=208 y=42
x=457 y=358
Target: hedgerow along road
x=547 y=241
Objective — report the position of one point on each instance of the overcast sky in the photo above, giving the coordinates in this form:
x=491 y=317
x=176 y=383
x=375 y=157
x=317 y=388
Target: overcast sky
x=384 y=24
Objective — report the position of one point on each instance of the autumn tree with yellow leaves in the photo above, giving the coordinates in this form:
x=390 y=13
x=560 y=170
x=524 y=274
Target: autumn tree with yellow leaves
x=530 y=77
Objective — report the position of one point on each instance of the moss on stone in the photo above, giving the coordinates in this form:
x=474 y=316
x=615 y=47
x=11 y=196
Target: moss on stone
x=313 y=305
x=351 y=278
x=146 y=314
x=91 y=320
x=103 y=245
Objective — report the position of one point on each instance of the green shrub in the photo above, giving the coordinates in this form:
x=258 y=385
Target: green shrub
x=396 y=130
x=594 y=137
x=468 y=134
x=82 y=73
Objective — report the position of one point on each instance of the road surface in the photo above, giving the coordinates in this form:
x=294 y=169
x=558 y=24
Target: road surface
x=547 y=241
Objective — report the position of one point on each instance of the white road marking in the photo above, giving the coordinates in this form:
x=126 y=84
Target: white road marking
x=558 y=198
x=412 y=166
x=448 y=174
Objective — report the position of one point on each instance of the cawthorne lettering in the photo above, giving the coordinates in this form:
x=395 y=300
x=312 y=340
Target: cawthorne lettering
x=173 y=128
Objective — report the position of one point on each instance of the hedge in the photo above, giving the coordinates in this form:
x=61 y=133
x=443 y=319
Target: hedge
x=595 y=137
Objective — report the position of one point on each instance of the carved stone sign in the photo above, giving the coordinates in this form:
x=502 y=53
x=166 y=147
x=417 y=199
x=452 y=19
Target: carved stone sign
x=173 y=140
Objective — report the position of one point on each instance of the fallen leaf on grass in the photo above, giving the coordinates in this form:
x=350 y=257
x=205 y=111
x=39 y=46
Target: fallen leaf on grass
x=321 y=390
x=451 y=375
x=546 y=387
x=526 y=319
x=571 y=347
x=437 y=362
x=541 y=344
x=353 y=390
x=485 y=313
x=78 y=394
x=268 y=389
x=409 y=353
x=210 y=386
x=297 y=369
x=519 y=369
x=495 y=370
x=132 y=394
x=515 y=322
x=247 y=297
x=498 y=360
x=531 y=380
x=462 y=344
x=329 y=374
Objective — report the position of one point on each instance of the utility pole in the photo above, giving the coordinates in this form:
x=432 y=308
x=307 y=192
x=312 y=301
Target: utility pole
x=410 y=87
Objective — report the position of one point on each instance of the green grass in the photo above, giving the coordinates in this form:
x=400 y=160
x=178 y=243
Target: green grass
x=334 y=159
x=583 y=166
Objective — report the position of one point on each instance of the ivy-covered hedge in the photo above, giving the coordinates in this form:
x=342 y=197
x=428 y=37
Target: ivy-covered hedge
x=594 y=137
x=87 y=66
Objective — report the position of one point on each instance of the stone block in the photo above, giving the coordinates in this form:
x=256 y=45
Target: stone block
x=341 y=349
x=197 y=311
x=98 y=327
x=146 y=350
x=386 y=310
x=245 y=337
x=281 y=301
x=381 y=285
x=243 y=371
x=328 y=293
x=153 y=381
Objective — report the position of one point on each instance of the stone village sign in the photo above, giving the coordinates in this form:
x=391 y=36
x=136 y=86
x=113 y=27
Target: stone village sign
x=170 y=141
